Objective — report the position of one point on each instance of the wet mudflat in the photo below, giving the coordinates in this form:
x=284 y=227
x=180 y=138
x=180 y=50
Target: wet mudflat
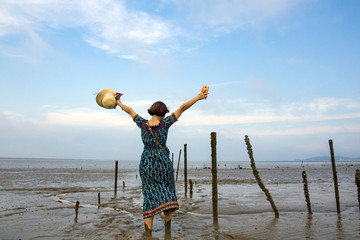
x=38 y=203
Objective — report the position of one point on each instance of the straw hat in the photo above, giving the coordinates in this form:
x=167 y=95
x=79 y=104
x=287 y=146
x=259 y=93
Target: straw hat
x=106 y=98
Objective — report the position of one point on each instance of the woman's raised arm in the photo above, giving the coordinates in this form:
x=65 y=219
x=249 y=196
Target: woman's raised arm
x=127 y=109
x=189 y=103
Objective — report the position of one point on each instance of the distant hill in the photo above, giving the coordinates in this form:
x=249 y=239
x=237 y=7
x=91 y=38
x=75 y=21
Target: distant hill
x=327 y=158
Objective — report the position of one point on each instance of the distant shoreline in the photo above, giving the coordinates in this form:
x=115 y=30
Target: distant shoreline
x=327 y=158
x=312 y=159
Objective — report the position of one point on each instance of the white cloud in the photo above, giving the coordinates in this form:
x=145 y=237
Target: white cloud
x=325 y=130
x=257 y=121
x=84 y=117
x=65 y=126
x=312 y=110
x=75 y=118
x=131 y=33
x=323 y=106
x=110 y=25
x=312 y=130
x=80 y=117
x=192 y=118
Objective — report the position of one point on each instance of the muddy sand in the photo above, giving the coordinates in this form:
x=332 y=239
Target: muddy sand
x=38 y=203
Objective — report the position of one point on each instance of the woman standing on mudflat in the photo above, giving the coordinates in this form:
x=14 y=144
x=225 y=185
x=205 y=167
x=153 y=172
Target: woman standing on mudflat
x=156 y=170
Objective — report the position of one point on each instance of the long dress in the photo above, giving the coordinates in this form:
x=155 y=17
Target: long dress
x=156 y=169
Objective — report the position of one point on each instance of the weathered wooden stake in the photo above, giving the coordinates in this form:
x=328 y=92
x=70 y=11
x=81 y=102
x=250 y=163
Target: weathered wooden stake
x=258 y=179
x=77 y=207
x=214 y=178
x=123 y=184
x=306 y=192
x=357 y=182
x=99 y=202
x=185 y=168
x=116 y=176
x=177 y=170
x=191 y=188
x=76 y=210
x=334 y=176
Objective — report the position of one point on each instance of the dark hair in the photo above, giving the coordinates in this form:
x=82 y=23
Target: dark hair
x=158 y=109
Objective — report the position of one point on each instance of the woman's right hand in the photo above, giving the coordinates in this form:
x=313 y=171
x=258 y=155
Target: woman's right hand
x=118 y=95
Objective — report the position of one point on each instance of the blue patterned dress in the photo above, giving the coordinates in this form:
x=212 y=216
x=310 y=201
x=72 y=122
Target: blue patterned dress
x=156 y=169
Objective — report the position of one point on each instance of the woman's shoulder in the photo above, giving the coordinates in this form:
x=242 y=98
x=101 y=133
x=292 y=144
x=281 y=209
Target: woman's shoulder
x=140 y=121
x=169 y=120
x=137 y=117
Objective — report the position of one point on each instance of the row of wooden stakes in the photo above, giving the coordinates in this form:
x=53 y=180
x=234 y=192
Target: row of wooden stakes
x=255 y=173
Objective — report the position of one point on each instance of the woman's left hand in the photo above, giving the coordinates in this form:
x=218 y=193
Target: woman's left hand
x=202 y=95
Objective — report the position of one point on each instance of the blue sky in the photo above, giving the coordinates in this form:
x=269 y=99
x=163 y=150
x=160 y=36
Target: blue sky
x=284 y=72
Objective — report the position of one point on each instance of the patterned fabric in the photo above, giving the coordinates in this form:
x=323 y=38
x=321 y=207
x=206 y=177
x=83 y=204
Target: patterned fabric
x=156 y=170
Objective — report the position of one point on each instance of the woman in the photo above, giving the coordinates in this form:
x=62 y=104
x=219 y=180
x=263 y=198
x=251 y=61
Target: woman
x=156 y=170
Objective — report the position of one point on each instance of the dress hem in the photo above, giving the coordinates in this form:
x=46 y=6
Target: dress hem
x=163 y=207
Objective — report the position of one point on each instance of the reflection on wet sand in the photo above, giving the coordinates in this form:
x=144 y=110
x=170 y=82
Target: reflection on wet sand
x=308 y=227
x=339 y=229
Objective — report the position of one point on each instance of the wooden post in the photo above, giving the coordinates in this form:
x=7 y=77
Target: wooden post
x=214 y=178
x=191 y=188
x=116 y=176
x=123 y=184
x=185 y=168
x=334 y=176
x=306 y=192
x=357 y=181
x=258 y=179
x=177 y=170
x=76 y=210
x=77 y=207
x=99 y=202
